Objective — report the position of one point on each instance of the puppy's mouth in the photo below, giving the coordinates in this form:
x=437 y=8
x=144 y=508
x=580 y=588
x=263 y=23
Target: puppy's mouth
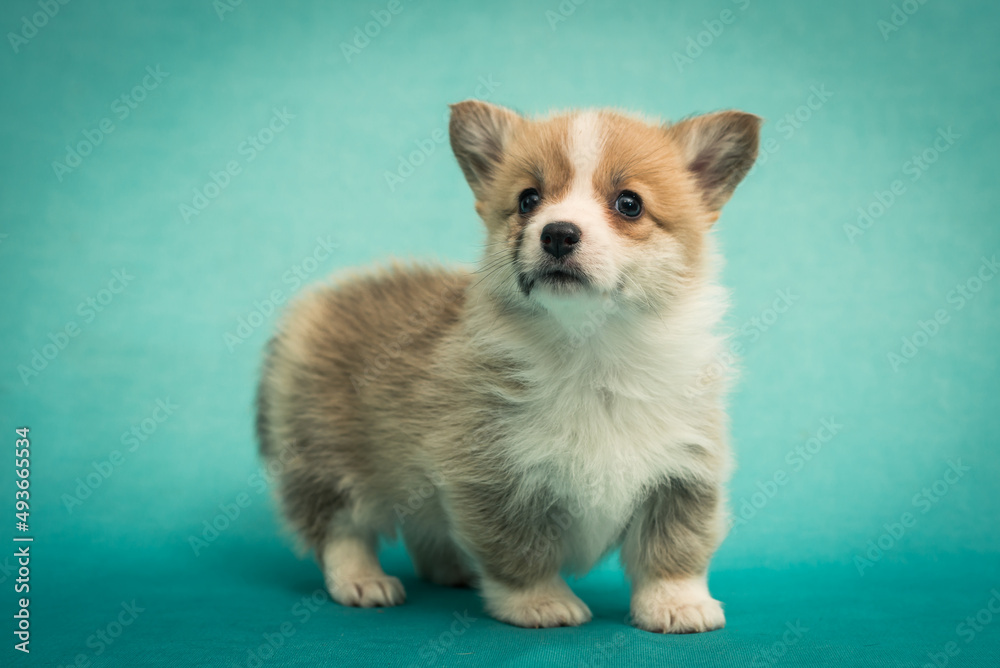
x=560 y=280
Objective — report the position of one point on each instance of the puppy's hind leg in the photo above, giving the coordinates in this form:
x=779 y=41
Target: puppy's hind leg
x=351 y=569
x=323 y=514
x=435 y=556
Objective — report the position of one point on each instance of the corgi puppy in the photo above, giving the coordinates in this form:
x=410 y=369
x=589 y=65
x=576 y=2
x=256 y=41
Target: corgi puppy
x=518 y=422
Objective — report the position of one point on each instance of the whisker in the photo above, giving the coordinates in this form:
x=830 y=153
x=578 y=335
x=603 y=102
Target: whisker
x=484 y=258
x=513 y=273
x=494 y=268
x=492 y=264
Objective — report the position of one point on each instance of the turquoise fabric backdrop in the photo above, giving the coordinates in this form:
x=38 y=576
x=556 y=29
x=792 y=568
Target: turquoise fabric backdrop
x=172 y=170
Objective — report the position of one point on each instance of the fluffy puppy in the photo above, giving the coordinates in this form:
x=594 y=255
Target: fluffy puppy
x=521 y=421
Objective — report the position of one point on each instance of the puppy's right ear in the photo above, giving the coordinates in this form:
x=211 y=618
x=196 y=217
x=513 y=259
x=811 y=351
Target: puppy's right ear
x=479 y=133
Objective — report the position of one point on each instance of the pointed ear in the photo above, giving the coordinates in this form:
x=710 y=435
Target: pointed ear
x=719 y=149
x=479 y=132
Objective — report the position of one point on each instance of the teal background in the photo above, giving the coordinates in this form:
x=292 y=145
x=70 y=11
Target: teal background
x=794 y=561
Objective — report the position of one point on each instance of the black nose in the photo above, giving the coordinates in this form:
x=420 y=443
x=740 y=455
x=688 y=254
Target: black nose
x=559 y=239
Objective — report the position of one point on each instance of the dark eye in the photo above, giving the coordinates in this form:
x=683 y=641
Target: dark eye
x=629 y=204
x=528 y=200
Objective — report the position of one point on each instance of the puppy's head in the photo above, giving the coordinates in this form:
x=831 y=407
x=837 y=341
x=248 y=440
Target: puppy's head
x=597 y=203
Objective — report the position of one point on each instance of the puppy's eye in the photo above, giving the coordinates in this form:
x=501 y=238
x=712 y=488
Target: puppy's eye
x=528 y=200
x=629 y=204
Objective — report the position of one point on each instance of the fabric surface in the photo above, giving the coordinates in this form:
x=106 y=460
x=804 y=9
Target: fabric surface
x=174 y=171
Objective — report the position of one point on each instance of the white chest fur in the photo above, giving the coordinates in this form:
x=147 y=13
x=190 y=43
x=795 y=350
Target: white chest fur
x=601 y=423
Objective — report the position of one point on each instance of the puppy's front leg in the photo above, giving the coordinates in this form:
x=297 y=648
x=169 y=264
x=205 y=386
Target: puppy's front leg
x=666 y=553
x=519 y=553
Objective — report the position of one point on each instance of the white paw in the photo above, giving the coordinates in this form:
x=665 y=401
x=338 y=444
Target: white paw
x=369 y=592
x=676 y=606
x=354 y=577
x=542 y=606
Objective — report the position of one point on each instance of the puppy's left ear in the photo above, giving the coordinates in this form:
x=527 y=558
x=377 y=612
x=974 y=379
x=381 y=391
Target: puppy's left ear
x=479 y=132
x=719 y=150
